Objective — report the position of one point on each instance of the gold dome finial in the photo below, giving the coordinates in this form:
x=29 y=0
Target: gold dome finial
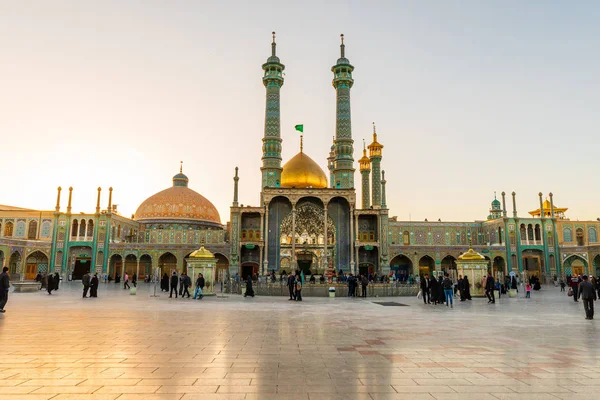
x=375 y=147
x=181 y=167
x=301 y=143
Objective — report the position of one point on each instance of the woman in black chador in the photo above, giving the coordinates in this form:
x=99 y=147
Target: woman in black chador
x=441 y=296
x=164 y=283
x=467 y=288
x=249 y=290
x=94 y=286
x=434 y=290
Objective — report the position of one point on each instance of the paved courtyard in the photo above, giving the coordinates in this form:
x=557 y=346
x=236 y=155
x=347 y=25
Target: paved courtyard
x=139 y=347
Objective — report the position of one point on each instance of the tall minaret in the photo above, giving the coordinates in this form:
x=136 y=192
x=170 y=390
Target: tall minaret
x=273 y=81
x=331 y=164
x=343 y=173
x=375 y=155
x=365 y=170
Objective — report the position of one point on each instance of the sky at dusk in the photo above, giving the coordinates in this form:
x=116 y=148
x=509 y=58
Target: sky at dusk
x=469 y=97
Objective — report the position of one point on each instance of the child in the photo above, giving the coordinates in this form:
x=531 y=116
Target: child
x=528 y=290
x=562 y=285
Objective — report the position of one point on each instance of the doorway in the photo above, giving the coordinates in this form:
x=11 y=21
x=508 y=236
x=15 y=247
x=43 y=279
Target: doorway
x=304 y=262
x=82 y=265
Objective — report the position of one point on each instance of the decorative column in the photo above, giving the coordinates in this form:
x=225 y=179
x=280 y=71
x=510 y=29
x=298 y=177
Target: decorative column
x=54 y=232
x=514 y=201
x=383 y=182
x=325 y=255
x=98 y=202
x=271 y=158
x=137 y=269
x=261 y=248
x=543 y=234
x=365 y=171
x=375 y=156
x=504 y=204
x=352 y=240
x=65 y=263
x=343 y=172
x=266 y=239
x=556 y=248
x=294 y=266
x=235 y=188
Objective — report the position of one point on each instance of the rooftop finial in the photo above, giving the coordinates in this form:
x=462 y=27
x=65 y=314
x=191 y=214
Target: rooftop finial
x=374 y=132
x=364 y=145
x=301 y=143
x=494 y=195
x=342 y=47
x=181 y=167
x=273 y=45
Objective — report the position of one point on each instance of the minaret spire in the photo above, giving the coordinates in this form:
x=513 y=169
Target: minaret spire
x=181 y=167
x=365 y=170
x=375 y=156
x=271 y=148
x=301 y=143
x=343 y=172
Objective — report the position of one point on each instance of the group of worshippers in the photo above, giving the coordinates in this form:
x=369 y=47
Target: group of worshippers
x=442 y=290
x=180 y=284
x=49 y=281
x=90 y=283
x=354 y=282
x=294 y=284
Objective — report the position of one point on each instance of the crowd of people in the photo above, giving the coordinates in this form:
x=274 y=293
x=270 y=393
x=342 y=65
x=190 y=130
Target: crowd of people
x=180 y=285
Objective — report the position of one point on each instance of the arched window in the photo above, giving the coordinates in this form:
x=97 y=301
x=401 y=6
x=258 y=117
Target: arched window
x=32 y=231
x=256 y=235
x=530 y=232
x=593 y=235
x=500 y=234
x=523 y=232
x=90 y=228
x=580 y=237
x=74 y=231
x=8 y=229
x=82 y=228
x=538 y=235
x=406 y=238
x=567 y=235
x=119 y=231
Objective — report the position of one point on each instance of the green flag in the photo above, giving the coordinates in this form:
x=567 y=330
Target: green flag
x=300 y=127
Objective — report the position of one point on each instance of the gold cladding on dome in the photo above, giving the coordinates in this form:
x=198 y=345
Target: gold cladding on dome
x=471 y=255
x=302 y=172
x=202 y=253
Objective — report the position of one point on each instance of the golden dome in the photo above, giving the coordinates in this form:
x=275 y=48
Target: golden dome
x=178 y=204
x=302 y=172
x=471 y=255
x=202 y=253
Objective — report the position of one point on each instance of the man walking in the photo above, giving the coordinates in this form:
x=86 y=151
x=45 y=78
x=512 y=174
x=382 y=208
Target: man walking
x=4 y=286
x=86 y=283
x=291 y=281
x=574 y=286
x=425 y=289
x=588 y=294
x=174 y=281
x=199 y=287
x=448 y=293
x=126 y=281
x=489 y=288
x=187 y=282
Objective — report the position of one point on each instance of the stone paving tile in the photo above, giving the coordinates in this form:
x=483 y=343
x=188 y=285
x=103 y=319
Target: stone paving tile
x=121 y=347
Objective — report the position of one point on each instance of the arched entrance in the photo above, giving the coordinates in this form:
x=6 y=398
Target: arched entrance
x=449 y=266
x=36 y=262
x=305 y=261
x=14 y=262
x=499 y=268
x=130 y=265
x=167 y=264
x=249 y=269
x=368 y=259
x=575 y=265
x=114 y=265
x=222 y=267
x=426 y=265
x=145 y=266
x=402 y=267
x=596 y=266
x=533 y=264
x=81 y=261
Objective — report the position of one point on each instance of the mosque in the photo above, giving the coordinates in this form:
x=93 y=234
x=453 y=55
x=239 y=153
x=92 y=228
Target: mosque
x=306 y=219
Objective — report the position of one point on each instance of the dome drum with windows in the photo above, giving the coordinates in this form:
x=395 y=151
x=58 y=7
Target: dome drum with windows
x=179 y=204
